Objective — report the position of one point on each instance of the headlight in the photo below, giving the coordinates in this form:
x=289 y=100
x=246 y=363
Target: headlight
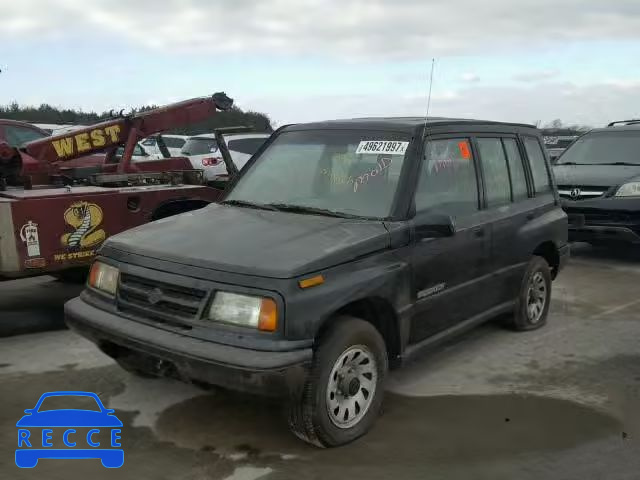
x=244 y=310
x=104 y=277
x=631 y=189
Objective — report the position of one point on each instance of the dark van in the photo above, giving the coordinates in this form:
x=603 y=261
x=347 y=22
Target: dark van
x=342 y=248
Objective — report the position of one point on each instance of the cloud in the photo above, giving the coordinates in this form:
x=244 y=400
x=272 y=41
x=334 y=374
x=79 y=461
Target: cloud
x=593 y=105
x=470 y=77
x=536 y=76
x=344 y=28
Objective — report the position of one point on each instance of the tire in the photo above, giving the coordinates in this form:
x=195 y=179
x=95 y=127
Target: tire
x=536 y=283
x=357 y=344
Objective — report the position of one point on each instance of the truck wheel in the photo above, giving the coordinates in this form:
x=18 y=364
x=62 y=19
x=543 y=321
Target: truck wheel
x=532 y=305
x=343 y=393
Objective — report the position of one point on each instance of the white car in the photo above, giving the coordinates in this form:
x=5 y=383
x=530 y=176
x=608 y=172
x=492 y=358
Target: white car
x=204 y=154
x=174 y=144
x=139 y=154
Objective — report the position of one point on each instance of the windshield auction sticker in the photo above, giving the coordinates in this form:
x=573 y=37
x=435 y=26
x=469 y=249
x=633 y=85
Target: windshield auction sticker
x=377 y=147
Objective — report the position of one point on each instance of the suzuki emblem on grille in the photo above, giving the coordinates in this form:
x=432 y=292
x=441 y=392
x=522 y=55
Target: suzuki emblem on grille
x=155 y=296
x=575 y=193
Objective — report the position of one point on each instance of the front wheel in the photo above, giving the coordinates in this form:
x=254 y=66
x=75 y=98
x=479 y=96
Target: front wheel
x=343 y=394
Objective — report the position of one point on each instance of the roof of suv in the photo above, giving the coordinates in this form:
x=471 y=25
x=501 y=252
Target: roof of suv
x=618 y=128
x=400 y=123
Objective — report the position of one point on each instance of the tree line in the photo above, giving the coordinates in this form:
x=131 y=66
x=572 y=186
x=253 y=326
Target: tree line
x=49 y=114
x=558 y=124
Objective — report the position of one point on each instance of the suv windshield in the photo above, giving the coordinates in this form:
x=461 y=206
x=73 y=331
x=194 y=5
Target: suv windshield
x=199 y=146
x=604 y=148
x=351 y=172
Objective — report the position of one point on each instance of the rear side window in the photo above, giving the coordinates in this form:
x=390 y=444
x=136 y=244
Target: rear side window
x=199 y=146
x=496 y=173
x=447 y=182
x=538 y=165
x=246 y=145
x=173 y=142
x=516 y=168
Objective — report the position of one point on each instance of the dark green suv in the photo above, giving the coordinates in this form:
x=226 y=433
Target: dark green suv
x=342 y=248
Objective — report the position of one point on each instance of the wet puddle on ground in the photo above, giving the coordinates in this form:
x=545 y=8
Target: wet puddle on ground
x=225 y=436
x=411 y=430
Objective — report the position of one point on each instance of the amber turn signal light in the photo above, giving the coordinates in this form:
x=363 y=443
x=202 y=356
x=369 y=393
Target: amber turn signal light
x=268 y=320
x=311 y=282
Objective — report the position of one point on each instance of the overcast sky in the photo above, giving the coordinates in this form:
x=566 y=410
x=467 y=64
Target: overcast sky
x=301 y=60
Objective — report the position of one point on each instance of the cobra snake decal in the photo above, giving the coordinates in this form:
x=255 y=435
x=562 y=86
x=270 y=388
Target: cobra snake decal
x=85 y=217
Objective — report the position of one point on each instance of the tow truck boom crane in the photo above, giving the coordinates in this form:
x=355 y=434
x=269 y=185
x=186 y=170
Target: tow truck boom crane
x=37 y=161
x=48 y=229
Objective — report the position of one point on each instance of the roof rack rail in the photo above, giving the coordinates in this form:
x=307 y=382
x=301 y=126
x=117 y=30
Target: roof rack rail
x=625 y=122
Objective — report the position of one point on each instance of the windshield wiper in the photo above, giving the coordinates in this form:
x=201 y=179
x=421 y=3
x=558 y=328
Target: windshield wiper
x=312 y=210
x=244 y=203
x=571 y=163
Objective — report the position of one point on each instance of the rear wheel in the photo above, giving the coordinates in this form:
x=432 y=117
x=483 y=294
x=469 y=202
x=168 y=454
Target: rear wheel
x=343 y=394
x=532 y=306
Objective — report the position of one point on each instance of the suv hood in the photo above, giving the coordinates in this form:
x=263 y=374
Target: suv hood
x=594 y=175
x=254 y=242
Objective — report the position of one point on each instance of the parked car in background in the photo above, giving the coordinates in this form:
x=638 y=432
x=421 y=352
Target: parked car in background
x=556 y=140
x=204 y=153
x=344 y=248
x=599 y=181
x=140 y=154
x=57 y=128
x=174 y=144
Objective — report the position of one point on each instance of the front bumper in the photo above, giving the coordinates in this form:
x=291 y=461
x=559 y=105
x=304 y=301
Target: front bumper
x=604 y=220
x=162 y=352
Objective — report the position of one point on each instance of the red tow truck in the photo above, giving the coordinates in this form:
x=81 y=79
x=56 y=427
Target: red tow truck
x=62 y=196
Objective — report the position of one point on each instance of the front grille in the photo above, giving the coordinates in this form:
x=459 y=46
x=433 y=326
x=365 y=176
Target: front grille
x=604 y=218
x=577 y=192
x=172 y=304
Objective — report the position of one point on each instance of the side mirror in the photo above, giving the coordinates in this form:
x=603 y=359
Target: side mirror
x=435 y=225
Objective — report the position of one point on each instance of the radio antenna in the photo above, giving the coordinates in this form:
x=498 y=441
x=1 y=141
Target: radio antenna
x=426 y=116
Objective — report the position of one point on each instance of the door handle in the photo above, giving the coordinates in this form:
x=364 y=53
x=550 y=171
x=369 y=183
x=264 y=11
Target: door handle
x=531 y=216
x=478 y=232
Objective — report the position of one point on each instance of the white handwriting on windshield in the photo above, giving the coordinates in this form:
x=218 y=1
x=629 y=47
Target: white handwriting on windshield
x=383 y=164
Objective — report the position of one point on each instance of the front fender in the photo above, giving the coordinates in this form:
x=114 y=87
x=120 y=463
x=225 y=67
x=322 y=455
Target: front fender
x=382 y=276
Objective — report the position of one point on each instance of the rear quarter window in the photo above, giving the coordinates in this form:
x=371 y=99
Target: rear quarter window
x=246 y=145
x=173 y=142
x=538 y=165
x=199 y=146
